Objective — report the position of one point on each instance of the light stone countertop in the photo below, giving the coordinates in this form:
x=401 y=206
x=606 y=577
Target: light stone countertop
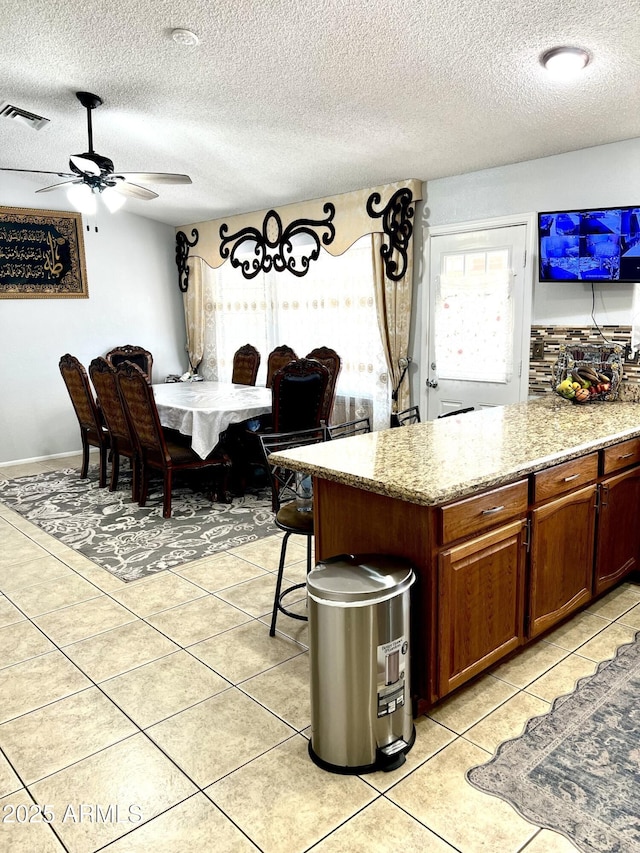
x=443 y=460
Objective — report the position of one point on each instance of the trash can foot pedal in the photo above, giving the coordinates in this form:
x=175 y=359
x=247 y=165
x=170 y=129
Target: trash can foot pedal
x=387 y=759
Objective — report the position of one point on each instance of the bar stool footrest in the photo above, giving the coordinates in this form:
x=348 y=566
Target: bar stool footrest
x=284 y=610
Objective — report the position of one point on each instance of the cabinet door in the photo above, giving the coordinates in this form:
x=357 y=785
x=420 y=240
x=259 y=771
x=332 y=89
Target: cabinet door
x=618 y=549
x=480 y=603
x=562 y=543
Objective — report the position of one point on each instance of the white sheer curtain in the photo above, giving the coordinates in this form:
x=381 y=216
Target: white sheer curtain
x=333 y=305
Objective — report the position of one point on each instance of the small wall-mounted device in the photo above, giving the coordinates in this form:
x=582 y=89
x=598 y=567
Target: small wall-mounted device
x=538 y=350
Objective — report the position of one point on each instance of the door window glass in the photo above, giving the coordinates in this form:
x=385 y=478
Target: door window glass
x=474 y=316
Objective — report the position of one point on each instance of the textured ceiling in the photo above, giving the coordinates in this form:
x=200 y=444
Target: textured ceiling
x=284 y=100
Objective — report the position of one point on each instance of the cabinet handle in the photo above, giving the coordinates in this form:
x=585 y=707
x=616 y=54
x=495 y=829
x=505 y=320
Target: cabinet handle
x=493 y=510
x=626 y=456
x=571 y=477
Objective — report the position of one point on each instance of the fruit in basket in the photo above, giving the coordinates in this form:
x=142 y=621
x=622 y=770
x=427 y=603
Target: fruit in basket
x=566 y=389
x=582 y=395
x=588 y=374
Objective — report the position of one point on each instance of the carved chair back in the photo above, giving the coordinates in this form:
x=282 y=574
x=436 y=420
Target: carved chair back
x=77 y=382
x=246 y=362
x=333 y=363
x=136 y=355
x=103 y=376
x=277 y=359
x=142 y=413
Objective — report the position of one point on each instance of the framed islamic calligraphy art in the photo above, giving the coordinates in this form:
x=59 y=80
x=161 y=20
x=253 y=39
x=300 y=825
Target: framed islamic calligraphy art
x=41 y=254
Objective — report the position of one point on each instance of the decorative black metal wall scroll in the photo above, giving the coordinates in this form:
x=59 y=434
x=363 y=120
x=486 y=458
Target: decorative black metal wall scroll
x=396 y=224
x=183 y=244
x=273 y=247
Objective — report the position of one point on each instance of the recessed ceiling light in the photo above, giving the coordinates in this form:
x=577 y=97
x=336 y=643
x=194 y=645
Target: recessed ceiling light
x=564 y=63
x=182 y=36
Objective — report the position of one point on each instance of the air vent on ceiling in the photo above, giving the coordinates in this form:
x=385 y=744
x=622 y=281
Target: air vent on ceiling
x=23 y=116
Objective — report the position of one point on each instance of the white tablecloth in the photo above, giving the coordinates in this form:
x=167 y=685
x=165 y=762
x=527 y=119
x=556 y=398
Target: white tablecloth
x=204 y=410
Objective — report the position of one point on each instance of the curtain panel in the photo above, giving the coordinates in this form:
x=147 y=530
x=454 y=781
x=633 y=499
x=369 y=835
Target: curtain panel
x=193 y=301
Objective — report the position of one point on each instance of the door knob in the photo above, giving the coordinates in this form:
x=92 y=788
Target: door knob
x=432 y=383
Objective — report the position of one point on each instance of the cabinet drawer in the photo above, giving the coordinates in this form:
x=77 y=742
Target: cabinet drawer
x=480 y=512
x=562 y=478
x=621 y=455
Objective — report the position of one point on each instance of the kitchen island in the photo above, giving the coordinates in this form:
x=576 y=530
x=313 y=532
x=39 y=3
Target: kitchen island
x=513 y=517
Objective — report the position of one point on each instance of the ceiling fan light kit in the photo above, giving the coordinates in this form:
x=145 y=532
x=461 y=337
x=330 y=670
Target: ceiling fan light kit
x=93 y=175
x=82 y=198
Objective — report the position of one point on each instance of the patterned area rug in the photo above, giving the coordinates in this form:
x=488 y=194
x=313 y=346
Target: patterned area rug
x=131 y=541
x=576 y=770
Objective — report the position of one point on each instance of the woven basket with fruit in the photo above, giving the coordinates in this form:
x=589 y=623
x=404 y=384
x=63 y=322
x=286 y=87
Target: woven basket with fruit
x=588 y=374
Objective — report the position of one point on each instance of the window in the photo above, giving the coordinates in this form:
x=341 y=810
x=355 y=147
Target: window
x=474 y=304
x=332 y=305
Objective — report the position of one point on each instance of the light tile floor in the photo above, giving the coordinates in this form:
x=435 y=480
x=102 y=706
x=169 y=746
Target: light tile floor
x=159 y=716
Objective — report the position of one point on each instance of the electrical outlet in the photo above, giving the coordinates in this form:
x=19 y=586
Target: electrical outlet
x=538 y=350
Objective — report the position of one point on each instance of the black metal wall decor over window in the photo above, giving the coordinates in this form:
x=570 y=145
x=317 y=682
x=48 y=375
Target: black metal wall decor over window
x=273 y=247
x=396 y=224
x=183 y=244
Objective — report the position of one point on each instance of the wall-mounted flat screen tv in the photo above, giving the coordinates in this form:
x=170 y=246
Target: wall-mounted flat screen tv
x=602 y=244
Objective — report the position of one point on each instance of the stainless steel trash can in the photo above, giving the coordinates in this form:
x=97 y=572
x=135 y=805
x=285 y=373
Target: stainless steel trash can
x=361 y=714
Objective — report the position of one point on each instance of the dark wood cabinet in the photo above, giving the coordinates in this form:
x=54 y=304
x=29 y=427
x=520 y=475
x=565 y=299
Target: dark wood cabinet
x=480 y=603
x=618 y=537
x=479 y=595
x=561 y=558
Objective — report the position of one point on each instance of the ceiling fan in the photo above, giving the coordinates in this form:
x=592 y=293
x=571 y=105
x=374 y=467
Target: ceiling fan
x=92 y=173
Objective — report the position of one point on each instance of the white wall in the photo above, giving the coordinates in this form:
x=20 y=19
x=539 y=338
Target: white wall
x=133 y=299
x=606 y=175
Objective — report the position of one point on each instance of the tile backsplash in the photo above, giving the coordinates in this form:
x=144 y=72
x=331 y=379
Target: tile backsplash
x=550 y=338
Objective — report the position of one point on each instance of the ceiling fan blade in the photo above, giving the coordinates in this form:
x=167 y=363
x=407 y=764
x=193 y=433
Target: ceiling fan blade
x=38 y=172
x=133 y=190
x=156 y=177
x=85 y=165
x=57 y=186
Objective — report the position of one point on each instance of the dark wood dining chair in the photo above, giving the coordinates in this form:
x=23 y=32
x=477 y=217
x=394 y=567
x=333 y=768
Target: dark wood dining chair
x=93 y=432
x=333 y=363
x=292 y=504
x=277 y=359
x=246 y=362
x=103 y=377
x=297 y=395
x=136 y=355
x=154 y=449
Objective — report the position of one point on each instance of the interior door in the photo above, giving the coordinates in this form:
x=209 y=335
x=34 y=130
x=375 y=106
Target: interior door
x=477 y=342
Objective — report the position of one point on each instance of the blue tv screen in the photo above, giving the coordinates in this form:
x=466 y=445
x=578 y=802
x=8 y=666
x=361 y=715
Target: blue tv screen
x=590 y=245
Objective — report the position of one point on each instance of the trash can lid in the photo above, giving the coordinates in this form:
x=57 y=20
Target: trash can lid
x=359 y=578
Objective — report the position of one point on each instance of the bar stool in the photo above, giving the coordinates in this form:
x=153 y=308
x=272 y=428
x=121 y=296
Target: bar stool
x=292 y=498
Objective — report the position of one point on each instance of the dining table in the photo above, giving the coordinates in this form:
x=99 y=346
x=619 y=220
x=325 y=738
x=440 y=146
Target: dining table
x=205 y=409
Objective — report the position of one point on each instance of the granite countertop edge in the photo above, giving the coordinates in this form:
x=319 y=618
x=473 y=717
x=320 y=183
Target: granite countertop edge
x=430 y=491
